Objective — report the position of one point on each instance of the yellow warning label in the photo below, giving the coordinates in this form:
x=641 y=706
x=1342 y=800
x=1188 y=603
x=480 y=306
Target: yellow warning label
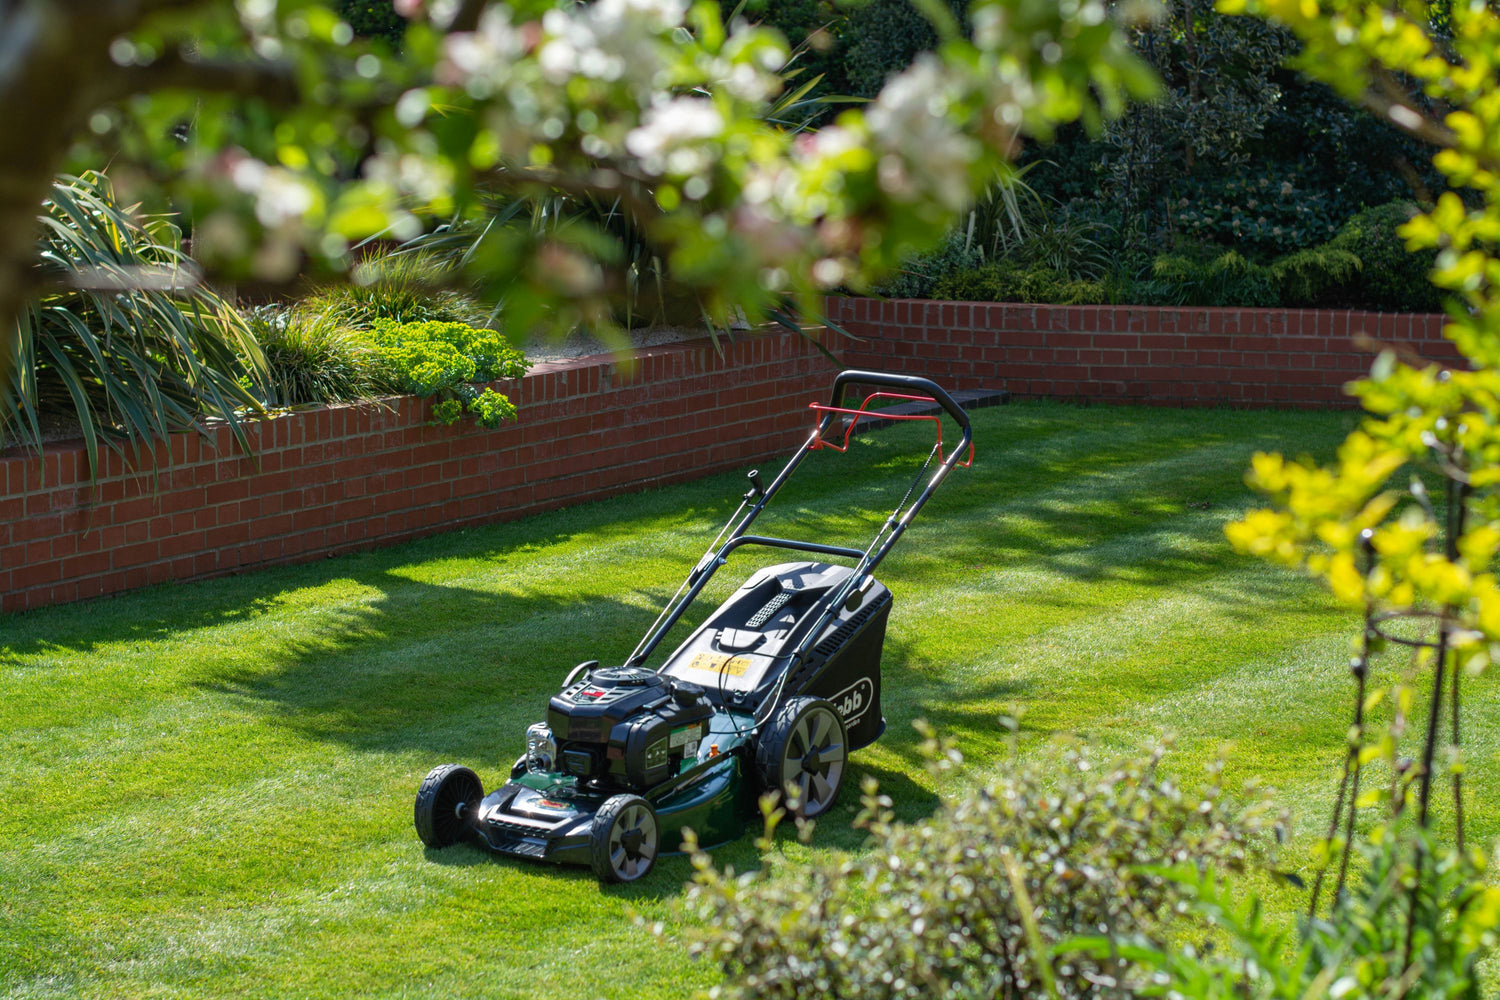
x=721 y=663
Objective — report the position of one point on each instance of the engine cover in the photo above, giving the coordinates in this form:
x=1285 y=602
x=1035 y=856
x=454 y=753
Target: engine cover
x=627 y=726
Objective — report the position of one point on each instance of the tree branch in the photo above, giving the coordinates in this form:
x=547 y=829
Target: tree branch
x=273 y=82
x=1391 y=102
x=467 y=17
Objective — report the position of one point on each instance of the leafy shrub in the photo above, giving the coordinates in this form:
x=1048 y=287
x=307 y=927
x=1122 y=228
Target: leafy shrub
x=921 y=273
x=129 y=364
x=405 y=287
x=1358 y=952
x=1011 y=282
x=1204 y=277
x=1391 y=277
x=971 y=902
x=1221 y=78
x=1308 y=277
x=442 y=360
x=1340 y=150
x=1066 y=243
x=883 y=37
x=312 y=359
x=1261 y=212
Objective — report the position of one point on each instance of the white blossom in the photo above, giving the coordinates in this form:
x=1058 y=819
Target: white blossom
x=923 y=150
x=481 y=60
x=283 y=197
x=671 y=135
x=610 y=40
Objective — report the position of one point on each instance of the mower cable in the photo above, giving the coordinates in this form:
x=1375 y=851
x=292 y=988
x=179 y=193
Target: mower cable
x=920 y=473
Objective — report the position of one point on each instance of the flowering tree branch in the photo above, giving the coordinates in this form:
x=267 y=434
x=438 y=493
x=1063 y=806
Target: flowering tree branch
x=303 y=140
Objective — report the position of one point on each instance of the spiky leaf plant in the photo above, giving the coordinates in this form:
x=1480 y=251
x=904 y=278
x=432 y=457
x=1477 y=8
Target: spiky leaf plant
x=125 y=340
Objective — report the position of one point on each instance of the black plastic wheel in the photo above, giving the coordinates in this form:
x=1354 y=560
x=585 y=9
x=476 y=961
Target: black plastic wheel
x=445 y=792
x=625 y=839
x=804 y=747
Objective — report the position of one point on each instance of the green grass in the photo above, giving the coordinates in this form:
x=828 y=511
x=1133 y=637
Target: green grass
x=206 y=789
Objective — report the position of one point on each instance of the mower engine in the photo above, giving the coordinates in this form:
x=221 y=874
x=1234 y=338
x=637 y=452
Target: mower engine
x=624 y=727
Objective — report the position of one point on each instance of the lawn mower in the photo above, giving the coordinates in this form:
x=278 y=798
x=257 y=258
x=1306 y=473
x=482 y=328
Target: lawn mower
x=772 y=692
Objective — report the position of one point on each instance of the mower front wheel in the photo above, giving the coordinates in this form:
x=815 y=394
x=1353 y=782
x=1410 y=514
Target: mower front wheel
x=625 y=839
x=448 y=791
x=803 y=751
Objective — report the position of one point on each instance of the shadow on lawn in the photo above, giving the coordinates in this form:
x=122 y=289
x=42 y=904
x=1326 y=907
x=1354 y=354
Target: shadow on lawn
x=449 y=672
x=457 y=673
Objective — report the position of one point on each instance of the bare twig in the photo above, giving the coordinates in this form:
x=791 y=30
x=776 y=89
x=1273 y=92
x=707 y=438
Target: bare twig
x=1391 y=102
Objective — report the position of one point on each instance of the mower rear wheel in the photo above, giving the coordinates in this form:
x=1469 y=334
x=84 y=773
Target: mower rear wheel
x=625 y=839
x=801 y=754
x=446 y=793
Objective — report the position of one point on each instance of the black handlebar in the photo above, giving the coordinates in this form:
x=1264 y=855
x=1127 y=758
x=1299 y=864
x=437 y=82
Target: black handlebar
x=758 y=497
x=910 y=383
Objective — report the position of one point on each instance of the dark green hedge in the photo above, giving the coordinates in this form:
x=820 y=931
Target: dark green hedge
x=373 y=19
x=1364 y=266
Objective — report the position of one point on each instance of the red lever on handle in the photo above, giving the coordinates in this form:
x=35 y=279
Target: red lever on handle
x=820 y=442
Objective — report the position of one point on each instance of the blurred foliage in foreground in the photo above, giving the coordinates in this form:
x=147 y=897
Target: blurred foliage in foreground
x=1071 y=877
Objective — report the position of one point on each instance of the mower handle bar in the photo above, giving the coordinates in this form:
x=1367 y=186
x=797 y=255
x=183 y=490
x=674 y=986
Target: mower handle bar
x=788 y=543
x=865 y=560
x=909 y=383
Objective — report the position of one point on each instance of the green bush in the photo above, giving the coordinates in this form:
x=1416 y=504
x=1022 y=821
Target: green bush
x=443 y=360
x=312 y=359
x=1011 y=282
x=921 y=273
x=1391 y=277
x=972 y=902
x=1360 y=951
x=883 y=37
x=1308 y=277
x=1200 y=276
x=408 y=287
x=1262 y=212
x=1192 y=274
x=374 y=19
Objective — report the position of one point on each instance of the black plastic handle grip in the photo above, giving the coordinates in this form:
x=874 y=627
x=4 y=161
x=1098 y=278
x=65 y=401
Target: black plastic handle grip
x=909 y=383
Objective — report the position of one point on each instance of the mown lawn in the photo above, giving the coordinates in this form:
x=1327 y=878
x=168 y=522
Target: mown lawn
x=206 y=789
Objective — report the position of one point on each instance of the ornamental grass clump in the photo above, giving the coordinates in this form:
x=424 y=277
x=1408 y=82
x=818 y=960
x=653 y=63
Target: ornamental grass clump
x=443 y=361
x=406 y=287
x=987 y=897
x=312 y=359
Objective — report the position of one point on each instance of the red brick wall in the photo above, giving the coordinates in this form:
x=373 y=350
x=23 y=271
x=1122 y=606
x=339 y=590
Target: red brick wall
x=1133 y=354
x=350 y=477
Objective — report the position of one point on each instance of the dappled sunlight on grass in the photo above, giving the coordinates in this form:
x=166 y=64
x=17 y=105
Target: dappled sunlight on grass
x=207 y=788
